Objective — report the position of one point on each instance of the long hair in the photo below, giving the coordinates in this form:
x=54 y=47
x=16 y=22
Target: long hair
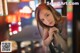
x=42 y=6
x=56 y=15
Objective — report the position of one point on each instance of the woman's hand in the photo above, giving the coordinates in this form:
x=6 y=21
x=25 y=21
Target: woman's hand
x=53 y=31
x=57 y=38
x=46 y=37
x=45 y=33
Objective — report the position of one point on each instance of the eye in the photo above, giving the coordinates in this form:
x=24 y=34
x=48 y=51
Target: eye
x=47 y=15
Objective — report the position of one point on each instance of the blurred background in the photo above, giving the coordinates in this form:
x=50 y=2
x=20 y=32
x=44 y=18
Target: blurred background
x=18 y=24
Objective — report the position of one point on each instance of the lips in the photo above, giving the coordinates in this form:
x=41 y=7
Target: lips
x=50 y=23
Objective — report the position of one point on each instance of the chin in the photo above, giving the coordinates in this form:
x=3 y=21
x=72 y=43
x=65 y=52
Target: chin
x=51 y=25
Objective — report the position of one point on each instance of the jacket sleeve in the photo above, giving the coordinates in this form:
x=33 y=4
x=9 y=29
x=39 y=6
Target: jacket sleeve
x=64 y=29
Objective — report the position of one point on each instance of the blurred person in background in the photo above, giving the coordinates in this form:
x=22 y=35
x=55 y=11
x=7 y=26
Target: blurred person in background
x=54 y=34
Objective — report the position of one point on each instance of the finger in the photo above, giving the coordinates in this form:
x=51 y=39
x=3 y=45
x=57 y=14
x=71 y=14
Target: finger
x=54 y=29
x=45 y=34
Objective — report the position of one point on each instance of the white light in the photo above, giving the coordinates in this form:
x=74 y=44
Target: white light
x=29 y=48
x=52 y=0
x=13 y=22
x=26 y=9
x=1 y=8
x=25 y=43
x=32 y=5
x=34 y=22
x=19 y=23
x=15 y=32
x=19 y=28
x=56 y=4
x=48 y=3
x=9 y=25
x=6 y=7
x=69 y=30
x=23 y=51
x=33 y=14
x=12 y=0
x=37 y=4
x=37 y=45
x=10 y=33
x=34 y=41
x=10 y=29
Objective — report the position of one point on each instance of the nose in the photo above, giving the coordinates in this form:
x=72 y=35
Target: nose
x=47 y=21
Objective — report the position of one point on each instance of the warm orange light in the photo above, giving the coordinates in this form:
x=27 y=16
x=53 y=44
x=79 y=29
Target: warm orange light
x=11 y=18
x=18 y=16
x=25 y=15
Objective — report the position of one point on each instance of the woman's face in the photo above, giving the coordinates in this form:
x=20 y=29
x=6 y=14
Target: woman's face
x=46 y=17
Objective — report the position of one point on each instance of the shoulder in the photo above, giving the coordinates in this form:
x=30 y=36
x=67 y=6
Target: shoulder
x=63 y=27
x=62 y=23
x=63 y=19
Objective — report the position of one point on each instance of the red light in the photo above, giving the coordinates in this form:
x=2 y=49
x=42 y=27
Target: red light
x=69 y=16
x=14 y=27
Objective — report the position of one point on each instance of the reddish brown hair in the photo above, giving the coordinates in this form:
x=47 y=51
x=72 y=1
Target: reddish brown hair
x=56 y=15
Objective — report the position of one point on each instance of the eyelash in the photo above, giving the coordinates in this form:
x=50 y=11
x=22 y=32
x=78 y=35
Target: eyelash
x=47 y=15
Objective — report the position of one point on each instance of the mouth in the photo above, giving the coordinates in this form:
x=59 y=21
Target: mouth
x=50 y=23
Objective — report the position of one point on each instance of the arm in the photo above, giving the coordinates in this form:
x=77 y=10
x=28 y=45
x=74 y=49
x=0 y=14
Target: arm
x=46 y=37
x=58 y=39
x=47 y=41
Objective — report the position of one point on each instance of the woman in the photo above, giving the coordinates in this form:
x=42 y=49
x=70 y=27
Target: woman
x=52 y=23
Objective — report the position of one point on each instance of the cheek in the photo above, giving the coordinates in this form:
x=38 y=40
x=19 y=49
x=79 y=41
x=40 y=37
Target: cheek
x=51 y=18
x=45 y=22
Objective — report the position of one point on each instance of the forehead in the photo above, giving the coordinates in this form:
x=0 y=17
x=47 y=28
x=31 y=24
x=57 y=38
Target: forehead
x=43 y=12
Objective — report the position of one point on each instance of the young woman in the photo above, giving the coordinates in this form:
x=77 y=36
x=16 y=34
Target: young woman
x=54 y=33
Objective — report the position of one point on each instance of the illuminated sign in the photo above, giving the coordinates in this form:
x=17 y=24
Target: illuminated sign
x=1 y=8
x=11 y=19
